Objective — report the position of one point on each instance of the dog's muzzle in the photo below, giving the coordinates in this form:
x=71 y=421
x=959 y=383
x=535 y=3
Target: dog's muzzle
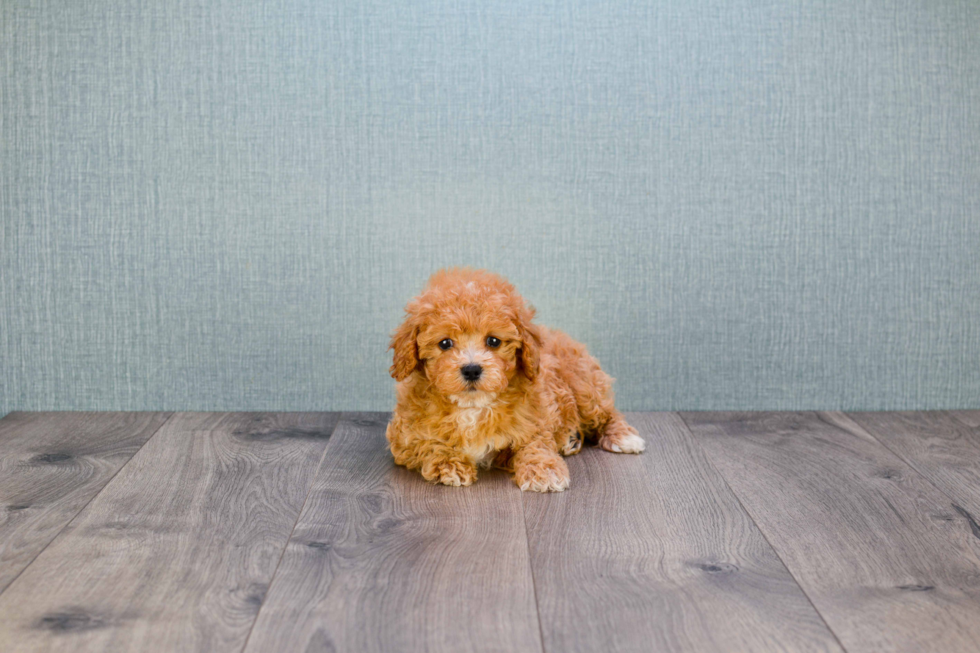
x=471 y=372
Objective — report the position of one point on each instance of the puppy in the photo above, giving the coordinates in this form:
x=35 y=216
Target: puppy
x=479 y=384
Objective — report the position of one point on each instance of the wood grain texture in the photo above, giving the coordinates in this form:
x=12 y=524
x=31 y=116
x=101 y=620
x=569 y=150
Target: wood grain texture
x=380 y=560
x=938 y=446
x=176 y=552
x=883 y=555
x=51 y=465
x=969 y=417
x=654 y=553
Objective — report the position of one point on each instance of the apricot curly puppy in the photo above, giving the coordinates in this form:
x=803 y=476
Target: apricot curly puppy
x=479 y=384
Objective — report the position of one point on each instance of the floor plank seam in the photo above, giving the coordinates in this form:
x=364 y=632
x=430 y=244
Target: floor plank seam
x=91 y=499
x=911 y=465
x=530 y=566
x=765 y=537
x=299 y=514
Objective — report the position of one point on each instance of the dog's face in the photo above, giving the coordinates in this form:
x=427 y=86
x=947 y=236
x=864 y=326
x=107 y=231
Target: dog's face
x=470 y=362
x=469 y=333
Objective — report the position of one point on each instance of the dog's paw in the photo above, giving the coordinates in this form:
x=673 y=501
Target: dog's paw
x=451 y=472
x=543 y=477
x=573 y=445
x=620 y=437
x=631 y=443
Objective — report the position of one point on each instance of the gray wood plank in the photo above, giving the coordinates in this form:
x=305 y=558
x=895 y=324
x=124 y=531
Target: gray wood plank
x=941 y=448
x=654 y=553
x=883 y=555
x=51 y=465
x=380 y=560
x=969 y=417
x=176 y=552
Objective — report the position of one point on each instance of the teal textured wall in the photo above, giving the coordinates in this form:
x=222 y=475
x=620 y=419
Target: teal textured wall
x=734 y=203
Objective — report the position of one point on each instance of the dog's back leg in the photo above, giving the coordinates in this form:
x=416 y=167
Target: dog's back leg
x=560 y=413
x=600 y=421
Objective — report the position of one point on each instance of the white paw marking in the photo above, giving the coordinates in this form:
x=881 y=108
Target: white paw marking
x=450 y=479
x=453 y=475
x=551 y=482
x=631 y=443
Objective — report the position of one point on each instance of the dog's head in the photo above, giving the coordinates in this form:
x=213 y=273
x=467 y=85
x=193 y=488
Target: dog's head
x=470 y=334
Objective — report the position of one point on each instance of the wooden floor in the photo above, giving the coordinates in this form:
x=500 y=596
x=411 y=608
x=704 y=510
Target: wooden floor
x=295 y=532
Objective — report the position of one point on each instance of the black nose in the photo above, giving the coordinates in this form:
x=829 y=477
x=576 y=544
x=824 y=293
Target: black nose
x=471 y=372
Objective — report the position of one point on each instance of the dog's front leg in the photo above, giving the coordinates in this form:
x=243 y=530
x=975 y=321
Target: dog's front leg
x=437 y=462
x=441 y=464
x=538 y=467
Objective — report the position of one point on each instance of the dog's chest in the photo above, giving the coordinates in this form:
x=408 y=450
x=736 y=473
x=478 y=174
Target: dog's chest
x=480 y=440
x=471 y=421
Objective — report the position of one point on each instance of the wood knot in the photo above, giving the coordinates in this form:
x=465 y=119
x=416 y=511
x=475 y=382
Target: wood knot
x=319 y=546
x=281 y=434
x=717 y=567
x=916 y=588
x=51 y=458
x=73 y=620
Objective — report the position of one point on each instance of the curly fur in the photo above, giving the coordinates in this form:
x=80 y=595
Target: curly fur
x=539 y=396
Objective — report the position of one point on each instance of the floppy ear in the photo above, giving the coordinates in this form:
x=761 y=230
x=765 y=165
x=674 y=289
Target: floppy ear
x=530 y=345
x=403 y=341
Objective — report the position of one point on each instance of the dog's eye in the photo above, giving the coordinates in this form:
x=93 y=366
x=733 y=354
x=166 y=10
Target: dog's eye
x=492 y=342
x=445 y=344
